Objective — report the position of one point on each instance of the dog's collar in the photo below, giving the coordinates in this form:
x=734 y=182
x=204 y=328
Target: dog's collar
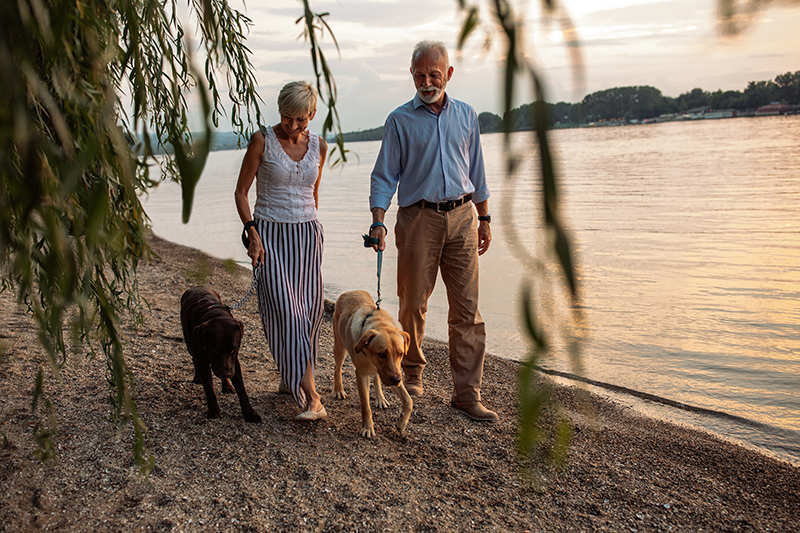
x=367 y=318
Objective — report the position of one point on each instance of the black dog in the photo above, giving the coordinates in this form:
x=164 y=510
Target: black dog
x=213 y=337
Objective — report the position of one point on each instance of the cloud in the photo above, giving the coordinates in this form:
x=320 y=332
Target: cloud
x=668 y=44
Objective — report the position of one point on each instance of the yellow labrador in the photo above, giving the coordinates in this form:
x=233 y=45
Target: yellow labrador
x=376 y=345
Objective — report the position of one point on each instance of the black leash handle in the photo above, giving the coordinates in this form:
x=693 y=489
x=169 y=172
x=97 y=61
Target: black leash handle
x=245 y=237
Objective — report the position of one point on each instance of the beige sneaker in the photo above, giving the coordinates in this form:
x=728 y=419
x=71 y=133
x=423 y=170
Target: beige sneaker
x=476 y=411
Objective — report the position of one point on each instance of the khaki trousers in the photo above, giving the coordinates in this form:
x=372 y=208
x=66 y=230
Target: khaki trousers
x=427 y=242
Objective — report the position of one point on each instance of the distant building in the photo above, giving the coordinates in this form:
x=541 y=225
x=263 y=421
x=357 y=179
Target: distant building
x=721 y=113
x=697 y=110
x=774 y=108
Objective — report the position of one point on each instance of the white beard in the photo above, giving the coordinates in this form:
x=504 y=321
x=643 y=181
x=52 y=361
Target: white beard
x=437 y=93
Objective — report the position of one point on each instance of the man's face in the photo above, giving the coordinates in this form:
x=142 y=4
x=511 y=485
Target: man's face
x=431 y=75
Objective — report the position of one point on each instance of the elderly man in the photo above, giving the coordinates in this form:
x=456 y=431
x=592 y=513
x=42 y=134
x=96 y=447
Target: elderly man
x=431 y=155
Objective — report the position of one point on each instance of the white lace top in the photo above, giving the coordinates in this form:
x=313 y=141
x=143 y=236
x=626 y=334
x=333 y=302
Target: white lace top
x=285 y=188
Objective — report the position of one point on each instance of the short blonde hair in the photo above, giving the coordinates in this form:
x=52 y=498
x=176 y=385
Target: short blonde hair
x=297 y=99
x=426 y=47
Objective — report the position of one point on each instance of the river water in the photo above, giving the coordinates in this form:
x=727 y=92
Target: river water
x=687 y=243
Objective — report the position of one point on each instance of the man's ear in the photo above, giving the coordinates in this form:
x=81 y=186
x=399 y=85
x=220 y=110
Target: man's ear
x=449 y=73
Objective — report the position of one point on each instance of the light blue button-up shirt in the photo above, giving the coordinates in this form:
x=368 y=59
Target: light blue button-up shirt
x=425 y=156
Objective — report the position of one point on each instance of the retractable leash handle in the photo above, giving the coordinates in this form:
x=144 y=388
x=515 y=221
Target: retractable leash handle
x=245 y=236
x=368 y=242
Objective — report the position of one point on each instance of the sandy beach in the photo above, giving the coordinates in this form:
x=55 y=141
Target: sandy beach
x=624 y=472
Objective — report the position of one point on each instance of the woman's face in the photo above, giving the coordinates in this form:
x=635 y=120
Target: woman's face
x=295 y=125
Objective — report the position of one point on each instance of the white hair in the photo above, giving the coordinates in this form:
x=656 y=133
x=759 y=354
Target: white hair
x=426 y=47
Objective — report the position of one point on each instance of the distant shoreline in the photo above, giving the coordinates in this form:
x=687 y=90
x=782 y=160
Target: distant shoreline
x=376 y=134
x=229 y=140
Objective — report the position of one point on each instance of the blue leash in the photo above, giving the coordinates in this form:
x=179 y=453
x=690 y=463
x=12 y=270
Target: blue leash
x=368 y=242
x=380 y=263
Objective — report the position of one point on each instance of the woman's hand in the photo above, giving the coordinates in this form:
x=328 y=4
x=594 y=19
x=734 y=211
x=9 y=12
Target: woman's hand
x=256 y=251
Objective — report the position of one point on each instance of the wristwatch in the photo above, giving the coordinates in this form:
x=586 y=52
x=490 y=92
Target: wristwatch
x=485 y=218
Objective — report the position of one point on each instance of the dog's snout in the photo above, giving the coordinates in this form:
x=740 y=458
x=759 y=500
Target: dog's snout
x=394 y=380
x=224 y=369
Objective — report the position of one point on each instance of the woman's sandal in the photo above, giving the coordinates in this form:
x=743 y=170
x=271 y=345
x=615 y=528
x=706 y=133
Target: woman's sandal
x=308 y=416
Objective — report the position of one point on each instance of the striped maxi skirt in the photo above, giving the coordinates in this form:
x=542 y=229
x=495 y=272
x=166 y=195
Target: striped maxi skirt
x=290 y=297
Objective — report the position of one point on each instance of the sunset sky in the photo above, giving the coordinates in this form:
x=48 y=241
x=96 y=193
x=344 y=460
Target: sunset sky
x=672 y=45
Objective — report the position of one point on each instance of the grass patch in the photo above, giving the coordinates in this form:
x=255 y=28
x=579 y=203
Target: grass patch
x=199 y=273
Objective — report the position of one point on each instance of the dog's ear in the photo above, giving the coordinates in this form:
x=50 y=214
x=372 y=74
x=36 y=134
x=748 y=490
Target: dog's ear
x=199 y=334
x=241 y=326
x=365 y=339
x=407 y=338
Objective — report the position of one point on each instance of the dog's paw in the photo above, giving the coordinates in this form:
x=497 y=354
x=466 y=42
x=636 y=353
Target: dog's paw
x=401 y=425
x=341 y=395
x=253 y=418
x=381 y=403
x=213 y=414
x=367 y=433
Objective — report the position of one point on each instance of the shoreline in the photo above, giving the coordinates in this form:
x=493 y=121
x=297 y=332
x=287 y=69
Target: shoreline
x=730 y=427
x=446 y=473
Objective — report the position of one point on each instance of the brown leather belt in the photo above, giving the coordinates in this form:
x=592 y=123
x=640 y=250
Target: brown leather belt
x=443 y=207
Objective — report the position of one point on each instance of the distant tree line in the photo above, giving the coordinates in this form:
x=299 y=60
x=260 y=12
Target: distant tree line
x=372 y=134
x=643 y=102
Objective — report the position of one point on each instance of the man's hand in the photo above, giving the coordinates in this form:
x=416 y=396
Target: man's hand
x=484 y=237
x=484 y=231
x=378 y=232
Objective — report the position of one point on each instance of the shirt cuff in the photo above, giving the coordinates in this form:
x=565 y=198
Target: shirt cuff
x=480 y=196
x=376 y=200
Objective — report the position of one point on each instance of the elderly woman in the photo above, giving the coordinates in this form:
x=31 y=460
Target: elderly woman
x=286 y=238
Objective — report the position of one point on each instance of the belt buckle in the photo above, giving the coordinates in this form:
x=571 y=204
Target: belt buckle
x=440 y=207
